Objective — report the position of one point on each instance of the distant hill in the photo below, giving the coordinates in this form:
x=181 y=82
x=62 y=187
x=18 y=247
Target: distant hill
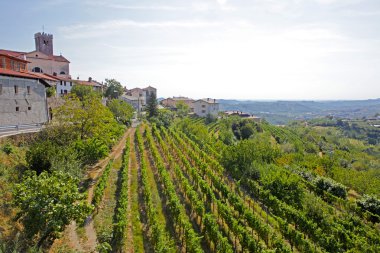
x=281 y=112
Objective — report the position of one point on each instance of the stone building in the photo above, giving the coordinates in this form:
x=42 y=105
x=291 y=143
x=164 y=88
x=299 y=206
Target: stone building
x=22 y=94
x=203 y=107
x=42 y=59
x=144 y=94
x=172 y=102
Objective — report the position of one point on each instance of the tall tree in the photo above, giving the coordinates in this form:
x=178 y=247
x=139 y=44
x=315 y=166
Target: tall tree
x=114 y=88
x=151 y=106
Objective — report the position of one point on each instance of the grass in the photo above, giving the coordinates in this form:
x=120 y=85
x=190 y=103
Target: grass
x=138 y=236
x=103 y=220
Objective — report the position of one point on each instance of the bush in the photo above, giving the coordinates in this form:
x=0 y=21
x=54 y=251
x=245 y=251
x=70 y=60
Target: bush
x=8 y=149
x=370 y=204
x=329 y=185
x=91 y=150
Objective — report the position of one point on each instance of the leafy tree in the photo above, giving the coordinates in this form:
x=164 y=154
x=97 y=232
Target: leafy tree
x=88 y=119
x=164 y=118
x=182 y=109
x=50 y=92
x=151 y=106
x=114 y=88
x=82 y=91
x=47 y=203
x=122 y=111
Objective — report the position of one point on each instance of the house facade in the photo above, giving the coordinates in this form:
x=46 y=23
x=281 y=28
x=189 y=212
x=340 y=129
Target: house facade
x=172 y=102
x=22 y=94
x=140 y=95
x=203 y=107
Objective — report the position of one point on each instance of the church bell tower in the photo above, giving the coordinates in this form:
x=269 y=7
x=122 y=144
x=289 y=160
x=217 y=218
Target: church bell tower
x=44 y=43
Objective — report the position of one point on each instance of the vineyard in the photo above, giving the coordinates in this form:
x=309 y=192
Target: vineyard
x=175 y=194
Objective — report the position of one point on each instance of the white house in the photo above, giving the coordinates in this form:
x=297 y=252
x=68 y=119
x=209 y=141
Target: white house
x=203 y=107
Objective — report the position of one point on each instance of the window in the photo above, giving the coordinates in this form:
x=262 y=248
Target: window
x=37 y=70
x=54 y=74
x=28 y=89
x=16 y=89
x=203 y=111
x=17 y=108
x=71 y=84
x=203 y=106
x=62 y=73
x=61 y=91
x=65 y=91
x=65 y=83
x=29 y=108
x=1 y=89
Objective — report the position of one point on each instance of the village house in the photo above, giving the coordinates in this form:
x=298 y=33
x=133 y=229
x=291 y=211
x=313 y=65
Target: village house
x=172 y=102
x=206 y=106
x=22 y=93
x=138 y=97
x=243 y=115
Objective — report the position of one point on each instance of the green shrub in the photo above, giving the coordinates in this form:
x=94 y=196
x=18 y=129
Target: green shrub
x=329 y=185
x=8 y=149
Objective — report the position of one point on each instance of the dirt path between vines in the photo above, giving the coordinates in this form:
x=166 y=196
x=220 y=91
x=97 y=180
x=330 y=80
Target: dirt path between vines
x=93 y=173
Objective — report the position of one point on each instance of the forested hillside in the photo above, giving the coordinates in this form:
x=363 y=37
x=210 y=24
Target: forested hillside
x=217 y=185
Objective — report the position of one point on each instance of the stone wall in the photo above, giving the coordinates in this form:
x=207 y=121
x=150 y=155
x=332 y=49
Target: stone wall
x=22 y=107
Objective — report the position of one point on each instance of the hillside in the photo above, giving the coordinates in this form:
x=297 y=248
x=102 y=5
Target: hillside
x=281 y=112
x=227 y=186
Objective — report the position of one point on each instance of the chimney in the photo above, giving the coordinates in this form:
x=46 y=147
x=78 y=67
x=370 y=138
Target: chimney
x=90 y=79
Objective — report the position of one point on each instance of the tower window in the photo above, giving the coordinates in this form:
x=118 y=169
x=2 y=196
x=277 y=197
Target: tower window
x=28 y=89
x=62 y=73
x=16 y=89
x=29 y=108
x=17 y=108
x=1 y=88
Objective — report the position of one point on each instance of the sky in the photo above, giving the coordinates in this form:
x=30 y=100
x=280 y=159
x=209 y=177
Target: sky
x=232 y=49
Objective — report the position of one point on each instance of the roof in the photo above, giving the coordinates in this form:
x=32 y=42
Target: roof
x=207 y=100
x=8 y=72
x=179 y=98
x=45 y=76
x=17 y=54
x=12 y=57
x=12 y=53
x=87 y=83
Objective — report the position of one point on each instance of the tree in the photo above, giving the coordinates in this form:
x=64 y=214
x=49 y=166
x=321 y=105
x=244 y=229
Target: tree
x=114 y=88
x=82 y=91
x=151 y=106
x=122 y=111
x=88 y=118
x=47 y=203
x=50 y=92
x=182 y=109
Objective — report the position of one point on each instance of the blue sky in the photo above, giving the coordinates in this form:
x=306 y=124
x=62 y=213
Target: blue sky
x=243 y=49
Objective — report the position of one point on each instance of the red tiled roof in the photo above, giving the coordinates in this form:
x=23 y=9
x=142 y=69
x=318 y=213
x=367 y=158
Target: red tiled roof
x=8 y=72
x=13 y=57
x=60 y=58
x=45 y=76
x=11 y=53
x=18 y=54
x=87 y=83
